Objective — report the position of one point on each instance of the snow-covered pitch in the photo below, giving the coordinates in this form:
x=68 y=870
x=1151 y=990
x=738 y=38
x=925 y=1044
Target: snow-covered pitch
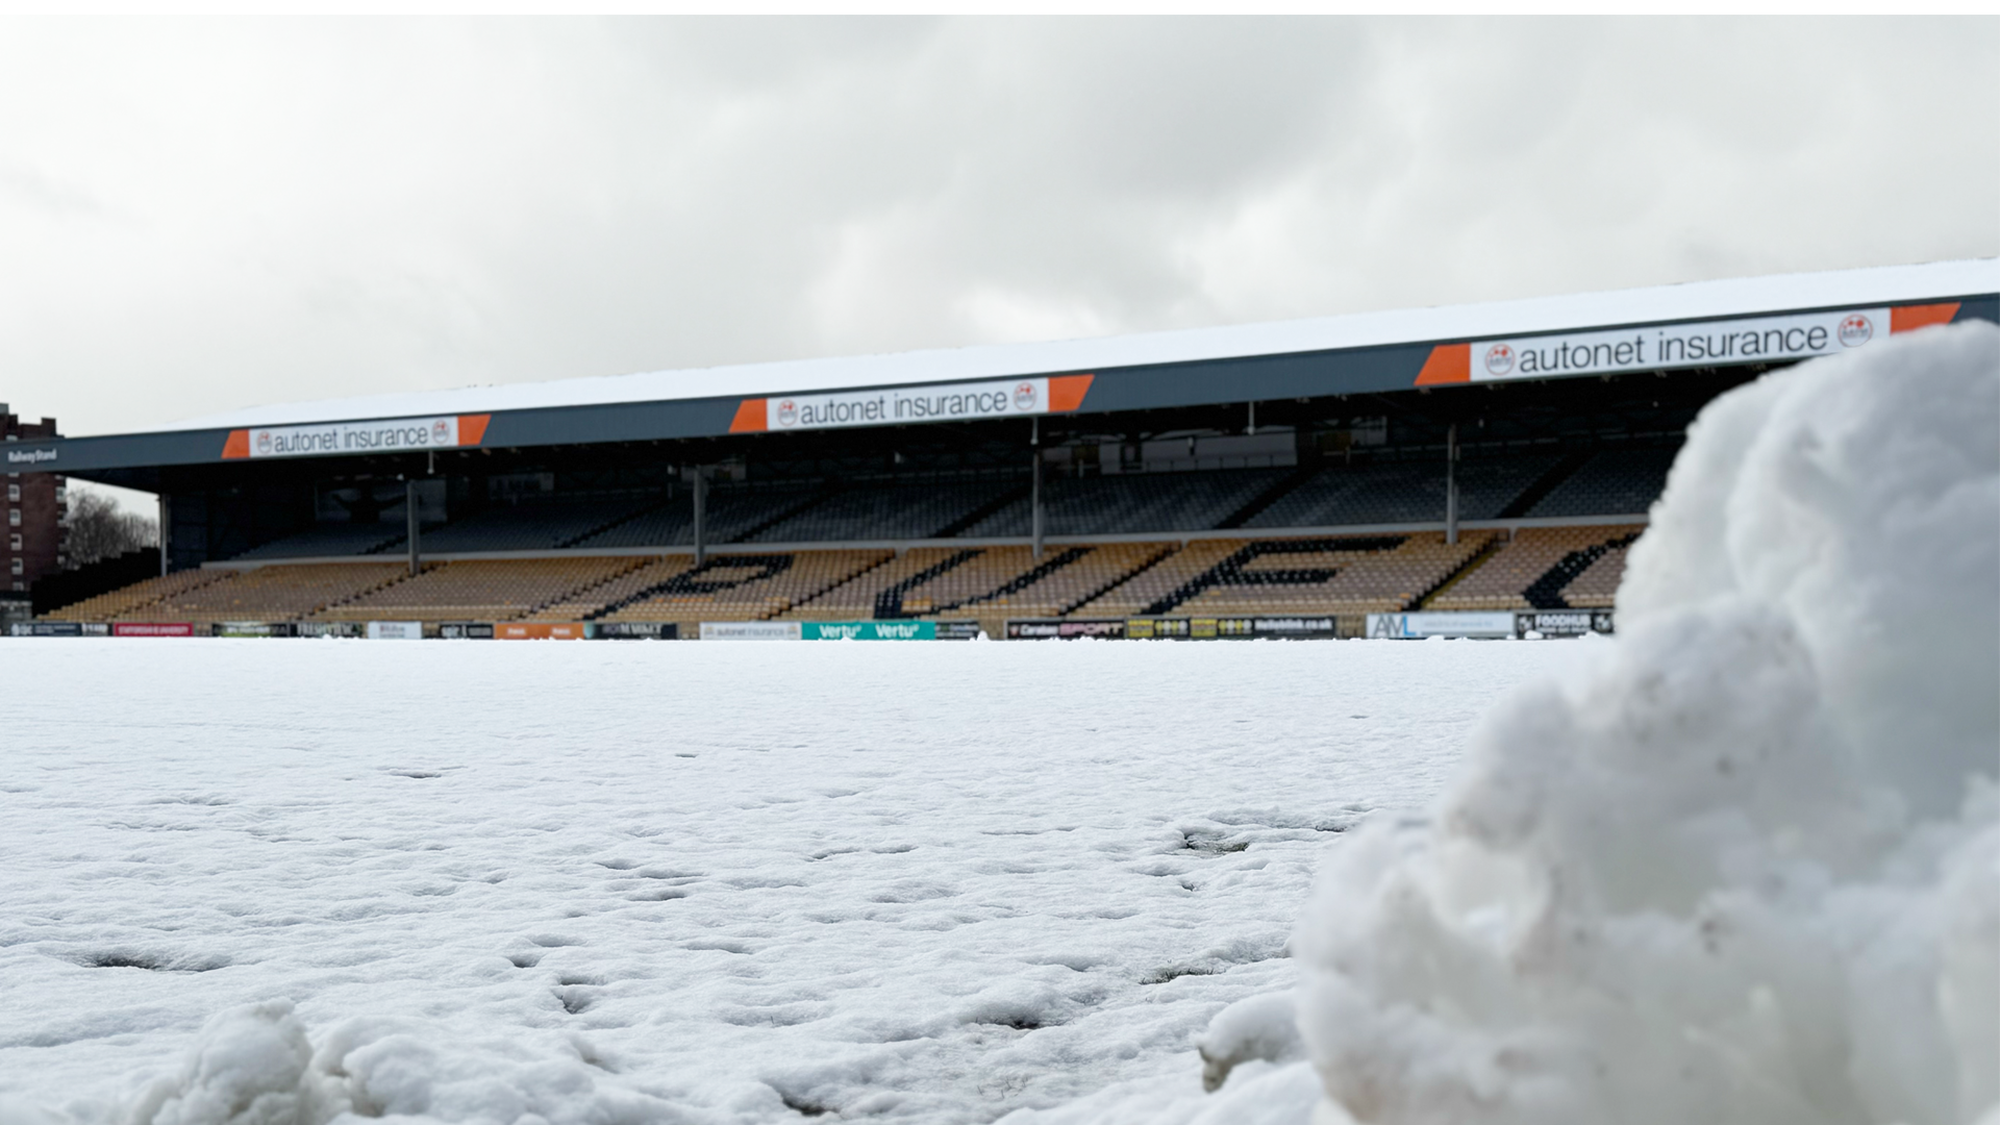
x=677 y=882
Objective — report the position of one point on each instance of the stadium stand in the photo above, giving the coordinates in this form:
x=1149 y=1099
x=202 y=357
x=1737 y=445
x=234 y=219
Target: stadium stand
x=881 y=592
x=1145 y=589
x=330 y=540
x=1133 y=503
x=1541 y=566
x=481 y=589
x=1597 y=586
x=129 y=600
x=1409 y=491
x=273 y=593
x=1614 y=482
x=1537 y=568
x=1371 y=574
x=534 y=524
x=1358 y=575
x=746 y=587
x=734 y=512
x=583 y=605
x=899 y=511
x=985 y=585
x=1064 y=579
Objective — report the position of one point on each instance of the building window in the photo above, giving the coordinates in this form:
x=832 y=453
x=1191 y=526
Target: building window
x=19 y=566
x=13 y=517
x=14 y=493
x=14 y=541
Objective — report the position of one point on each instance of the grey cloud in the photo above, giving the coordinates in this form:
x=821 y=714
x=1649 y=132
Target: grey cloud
x=304 y=209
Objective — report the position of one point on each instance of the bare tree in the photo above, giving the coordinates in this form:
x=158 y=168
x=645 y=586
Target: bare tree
x=98 y=530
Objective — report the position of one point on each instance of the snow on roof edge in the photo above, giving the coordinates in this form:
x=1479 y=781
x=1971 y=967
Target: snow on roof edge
x=1684 y=301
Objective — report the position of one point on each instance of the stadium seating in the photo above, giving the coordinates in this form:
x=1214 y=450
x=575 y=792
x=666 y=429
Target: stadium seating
x=534 y=524
x=1596 y=587
x=1393 y=492
x=584 y=604
x=329 y=540
x=1614 y=482
x=284 y=592
x=1331 y=575
x=902 y=511
x=732 y=511
x=883 y=587
x=128 y=601
x=748 y=587
x=1161 y=580
x=1065 y=578
x=481 y=590
x=1542 y=567
x=1132 y=503
x=1237 y=576
x=1537 y=568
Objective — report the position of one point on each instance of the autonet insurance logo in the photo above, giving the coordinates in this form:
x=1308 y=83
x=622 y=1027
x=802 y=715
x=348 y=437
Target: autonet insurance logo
x=1696 y=344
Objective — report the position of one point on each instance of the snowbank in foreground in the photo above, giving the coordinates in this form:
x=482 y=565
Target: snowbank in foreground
x=1746 y=867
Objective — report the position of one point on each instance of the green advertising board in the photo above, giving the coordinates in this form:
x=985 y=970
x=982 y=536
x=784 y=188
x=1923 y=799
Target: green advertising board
x=869 y=631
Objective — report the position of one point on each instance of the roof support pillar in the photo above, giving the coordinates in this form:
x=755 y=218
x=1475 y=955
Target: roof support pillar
x=166 y=533
x=413 y=524
x=1035 y=501
x=700 y=515
x=1451 y=484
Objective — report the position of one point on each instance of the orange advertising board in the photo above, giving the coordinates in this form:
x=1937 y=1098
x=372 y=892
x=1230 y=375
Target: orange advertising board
x=540 y=631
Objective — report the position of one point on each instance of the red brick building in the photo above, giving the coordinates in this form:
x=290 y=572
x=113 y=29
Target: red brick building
x=35 y=503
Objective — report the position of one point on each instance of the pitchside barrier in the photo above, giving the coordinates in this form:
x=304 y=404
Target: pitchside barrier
x=1399 y=626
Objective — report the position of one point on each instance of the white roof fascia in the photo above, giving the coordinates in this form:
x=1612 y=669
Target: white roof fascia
x=1691 y=301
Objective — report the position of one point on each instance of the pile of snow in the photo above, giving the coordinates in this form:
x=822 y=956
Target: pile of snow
x=1745 y=866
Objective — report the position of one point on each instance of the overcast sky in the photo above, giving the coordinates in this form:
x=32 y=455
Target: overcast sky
x=199 y=216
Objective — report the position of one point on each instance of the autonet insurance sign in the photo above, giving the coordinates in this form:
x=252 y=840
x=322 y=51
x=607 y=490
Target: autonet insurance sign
x=389 y=435
x=1706 y=343
x=894 y=406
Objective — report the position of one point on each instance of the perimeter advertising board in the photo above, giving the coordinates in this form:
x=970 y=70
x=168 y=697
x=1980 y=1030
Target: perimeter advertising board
x=1416 y=626
x=60 y=629
x=1066 y=630
x=328 y=629
x=819 y=630
x=540 y=631
x=252 y=629
x=637 y=631
x=751 y=631
x=466 y=631
x=1175 y=628
x=1563 y=622
x=395 y=630
x=152 y=629
x=869 y=631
